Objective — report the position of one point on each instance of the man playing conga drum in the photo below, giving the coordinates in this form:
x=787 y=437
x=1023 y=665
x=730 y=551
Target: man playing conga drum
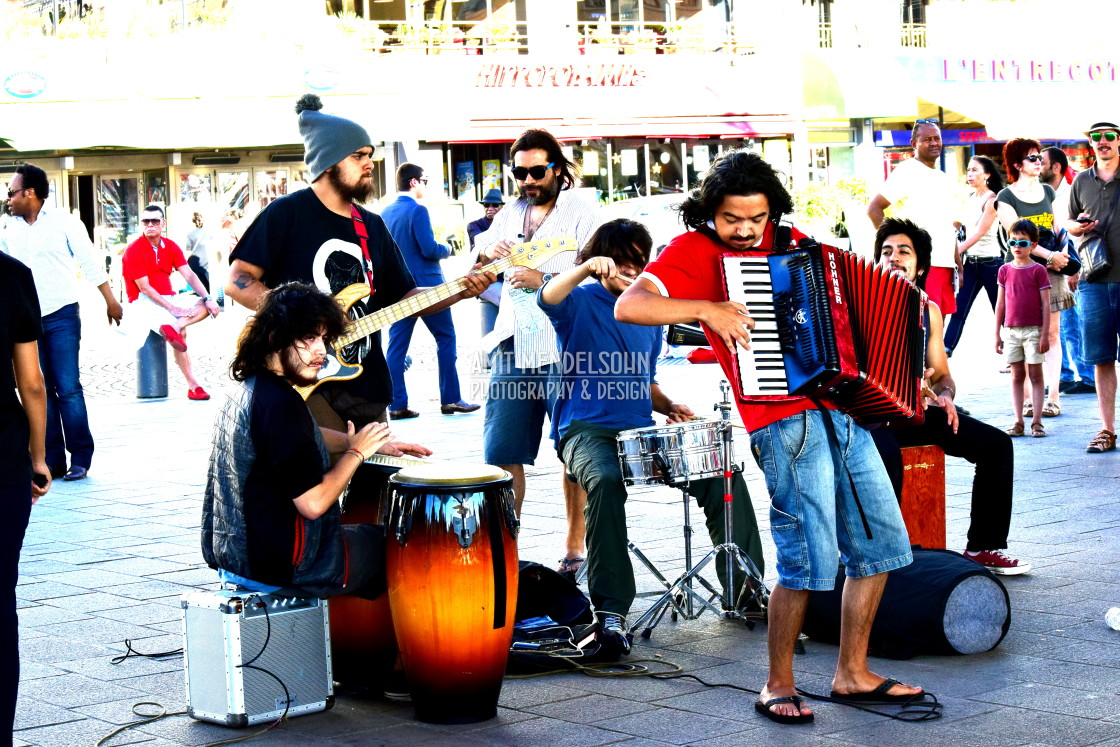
x=270 y=516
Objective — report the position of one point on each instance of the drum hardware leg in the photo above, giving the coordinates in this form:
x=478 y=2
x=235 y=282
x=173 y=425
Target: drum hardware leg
x=680 y=588
x=687 y=549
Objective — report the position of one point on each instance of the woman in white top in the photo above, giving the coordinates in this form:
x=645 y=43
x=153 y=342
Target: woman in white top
x=980 y=251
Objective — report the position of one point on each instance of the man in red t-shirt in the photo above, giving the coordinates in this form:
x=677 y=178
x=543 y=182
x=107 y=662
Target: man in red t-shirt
x=146 y=267
x=814 y=460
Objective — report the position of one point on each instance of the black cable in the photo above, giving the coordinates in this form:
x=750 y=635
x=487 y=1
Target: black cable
x=130 y=651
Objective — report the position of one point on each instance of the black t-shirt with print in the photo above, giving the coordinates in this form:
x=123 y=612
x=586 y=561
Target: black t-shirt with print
x=287 y=464
x=19 y=322
x=298 y=238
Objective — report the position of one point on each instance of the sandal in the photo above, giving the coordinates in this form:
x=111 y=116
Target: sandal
x=1037 y=431
x=1028 y=409
x=570 y=568
x=1051 y=410
x=1016 y=430
x=1105 y=441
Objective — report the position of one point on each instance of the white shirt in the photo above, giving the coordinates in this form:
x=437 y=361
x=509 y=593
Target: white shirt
x=519 y=317
x=49 y=247
x=927 y=197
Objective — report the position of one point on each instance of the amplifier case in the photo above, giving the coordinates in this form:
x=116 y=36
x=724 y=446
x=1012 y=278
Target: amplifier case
x=223 y=630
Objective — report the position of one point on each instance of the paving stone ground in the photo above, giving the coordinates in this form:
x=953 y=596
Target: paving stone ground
x=106 y=559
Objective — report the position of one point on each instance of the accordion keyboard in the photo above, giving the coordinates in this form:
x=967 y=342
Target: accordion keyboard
x=761 y=369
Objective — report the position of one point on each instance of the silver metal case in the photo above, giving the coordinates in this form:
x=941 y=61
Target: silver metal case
x=224 y=630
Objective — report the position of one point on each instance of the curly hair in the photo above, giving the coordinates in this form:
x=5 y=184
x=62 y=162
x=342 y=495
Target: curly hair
x=289 y=313
x=538 y=139
x=737 y=172
x=625 y=241
x=1014 y=151
x=919 y=239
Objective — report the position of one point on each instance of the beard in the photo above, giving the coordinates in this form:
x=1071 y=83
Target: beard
x=360 y=192
x=293 y=368
x=544 y=193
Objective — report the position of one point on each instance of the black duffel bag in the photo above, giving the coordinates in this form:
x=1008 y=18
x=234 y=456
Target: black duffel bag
x=942 y=603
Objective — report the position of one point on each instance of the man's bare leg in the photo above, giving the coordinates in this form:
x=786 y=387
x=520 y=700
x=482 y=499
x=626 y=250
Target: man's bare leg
x=183 y=360
x=575 y=501
x=786 y=614
x=857 y=612
x=1106 y=394
x=517 y=472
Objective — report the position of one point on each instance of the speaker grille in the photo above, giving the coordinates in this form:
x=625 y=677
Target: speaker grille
x=295 y=654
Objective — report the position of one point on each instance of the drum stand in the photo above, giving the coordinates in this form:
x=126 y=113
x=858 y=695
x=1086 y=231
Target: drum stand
x=680 y=595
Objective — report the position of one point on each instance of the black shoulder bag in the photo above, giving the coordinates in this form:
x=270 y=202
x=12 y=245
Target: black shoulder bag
x=1096 y=257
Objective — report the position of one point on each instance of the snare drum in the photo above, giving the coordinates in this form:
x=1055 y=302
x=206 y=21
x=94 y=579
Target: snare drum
x=671 y=454
x=451 y=558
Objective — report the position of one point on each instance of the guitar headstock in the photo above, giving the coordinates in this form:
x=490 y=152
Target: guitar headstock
x=532 y=254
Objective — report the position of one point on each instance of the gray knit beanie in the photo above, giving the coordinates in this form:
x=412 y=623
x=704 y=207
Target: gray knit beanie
x=327 y=139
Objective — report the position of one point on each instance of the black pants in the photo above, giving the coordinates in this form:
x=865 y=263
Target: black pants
x=16 y=502
x=985 y=446
x=203 y=275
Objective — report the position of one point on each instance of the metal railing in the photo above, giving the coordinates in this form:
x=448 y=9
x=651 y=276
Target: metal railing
x=824 y=35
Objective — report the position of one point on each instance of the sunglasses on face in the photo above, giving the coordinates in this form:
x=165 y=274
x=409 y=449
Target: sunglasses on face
x=151 y=221
x=1020 y=243
x=1033 y=158
x=537 y=172
x=13 y=192
x=1096 y=136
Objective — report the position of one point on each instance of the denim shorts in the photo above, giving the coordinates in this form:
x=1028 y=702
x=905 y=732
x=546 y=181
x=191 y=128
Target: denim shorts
x=1100 y=322
x=518 y=399
x=814 y=518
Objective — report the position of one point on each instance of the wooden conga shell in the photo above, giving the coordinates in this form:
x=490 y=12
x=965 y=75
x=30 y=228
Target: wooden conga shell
x=453 y=605
x=363 y=642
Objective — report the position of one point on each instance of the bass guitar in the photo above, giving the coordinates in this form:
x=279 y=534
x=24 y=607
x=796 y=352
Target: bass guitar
x=531 y=254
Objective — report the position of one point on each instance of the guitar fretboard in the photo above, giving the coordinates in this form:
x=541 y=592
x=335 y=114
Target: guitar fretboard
x=528 y=255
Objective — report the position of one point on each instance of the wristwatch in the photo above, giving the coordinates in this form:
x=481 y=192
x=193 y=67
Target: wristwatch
x=546 y=277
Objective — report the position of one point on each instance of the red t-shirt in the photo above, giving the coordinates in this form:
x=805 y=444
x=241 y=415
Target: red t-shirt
x=142 y=260
x=1022 y=293
x=689 y=268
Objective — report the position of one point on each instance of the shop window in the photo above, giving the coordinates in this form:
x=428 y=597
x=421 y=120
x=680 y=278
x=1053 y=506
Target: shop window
x=196 y=188
x=591 y=162
x=628 y=169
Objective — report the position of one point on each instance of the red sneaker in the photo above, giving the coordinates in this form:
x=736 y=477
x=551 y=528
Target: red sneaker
x=998 y=563
x=174 y=339
x=197 y=393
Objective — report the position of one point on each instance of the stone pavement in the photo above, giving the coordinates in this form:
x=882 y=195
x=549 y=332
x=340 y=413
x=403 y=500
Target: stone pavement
x=106 y=559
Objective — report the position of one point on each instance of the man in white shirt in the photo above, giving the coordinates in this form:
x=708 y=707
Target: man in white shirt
x=526 y=364
x=924 y=194
x=48 y=240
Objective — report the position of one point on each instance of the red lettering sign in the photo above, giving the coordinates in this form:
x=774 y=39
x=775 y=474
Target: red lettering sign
x=604 y=75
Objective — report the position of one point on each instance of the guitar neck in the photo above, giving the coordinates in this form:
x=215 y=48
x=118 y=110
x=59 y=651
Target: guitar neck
x=382 y=318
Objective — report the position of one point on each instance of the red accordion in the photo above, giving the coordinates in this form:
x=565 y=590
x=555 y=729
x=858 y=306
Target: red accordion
x=832 y=326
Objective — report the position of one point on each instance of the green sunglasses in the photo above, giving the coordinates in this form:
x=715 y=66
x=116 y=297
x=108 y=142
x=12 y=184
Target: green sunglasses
x=1109 y=136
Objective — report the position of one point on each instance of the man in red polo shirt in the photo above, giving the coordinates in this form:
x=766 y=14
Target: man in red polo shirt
x=147 y=266
x=814 y=460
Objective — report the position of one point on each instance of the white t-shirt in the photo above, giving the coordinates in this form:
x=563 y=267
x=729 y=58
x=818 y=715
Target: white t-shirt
x=927 y=197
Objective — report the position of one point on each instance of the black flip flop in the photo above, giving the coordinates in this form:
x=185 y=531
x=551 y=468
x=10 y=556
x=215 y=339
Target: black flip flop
x=878 y=695
x=781 y=718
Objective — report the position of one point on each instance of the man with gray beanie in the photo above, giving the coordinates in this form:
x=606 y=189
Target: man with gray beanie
x=323 y=236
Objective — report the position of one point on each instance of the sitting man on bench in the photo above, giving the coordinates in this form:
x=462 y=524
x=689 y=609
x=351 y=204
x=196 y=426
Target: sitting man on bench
x=902 y=245
x=270 y=517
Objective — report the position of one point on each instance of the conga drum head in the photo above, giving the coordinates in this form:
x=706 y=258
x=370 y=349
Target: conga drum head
x=454 y=476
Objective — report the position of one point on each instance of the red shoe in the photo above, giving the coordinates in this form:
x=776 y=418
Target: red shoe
x=174 y=339
x=197 y=393
x=999 y=563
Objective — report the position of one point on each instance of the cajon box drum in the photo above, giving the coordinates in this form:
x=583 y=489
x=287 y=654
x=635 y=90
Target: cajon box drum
x=923 y=495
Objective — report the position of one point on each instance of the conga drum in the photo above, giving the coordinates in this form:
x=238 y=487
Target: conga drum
x=363 y=643
x=451 y=557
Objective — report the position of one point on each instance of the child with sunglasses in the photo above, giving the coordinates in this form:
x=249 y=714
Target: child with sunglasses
x=1023 y=323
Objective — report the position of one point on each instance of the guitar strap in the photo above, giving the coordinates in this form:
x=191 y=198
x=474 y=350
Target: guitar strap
x=363 y=237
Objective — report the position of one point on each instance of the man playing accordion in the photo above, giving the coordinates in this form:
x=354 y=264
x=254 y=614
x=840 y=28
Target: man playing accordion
x=830 y=495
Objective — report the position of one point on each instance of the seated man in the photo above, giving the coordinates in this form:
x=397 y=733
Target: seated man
x=147 y=266
x=596 y=404
x=270 y=516
x=901 y=244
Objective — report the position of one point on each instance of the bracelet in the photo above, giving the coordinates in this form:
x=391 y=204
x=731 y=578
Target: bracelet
x=205 y=299
x=355 y=452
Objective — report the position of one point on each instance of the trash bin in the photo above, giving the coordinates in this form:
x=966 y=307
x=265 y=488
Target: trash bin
x=151 y=368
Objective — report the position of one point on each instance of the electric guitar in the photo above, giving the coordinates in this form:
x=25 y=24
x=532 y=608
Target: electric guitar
x=530 y=254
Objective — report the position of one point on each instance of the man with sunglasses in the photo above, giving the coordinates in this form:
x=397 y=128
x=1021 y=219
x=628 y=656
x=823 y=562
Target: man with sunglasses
x=1092 y=199
x=411 y=227
x=147 y=266
x=49 y=240
x=923 y=193
x=525 y=364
